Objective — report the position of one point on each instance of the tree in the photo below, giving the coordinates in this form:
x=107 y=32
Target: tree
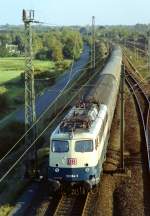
x=43 y=54
x=37 y=42
x=19 y=40
x=52 y=48
x=57 y=54
x=56 y=49
x=73 y=44
x=3 y=51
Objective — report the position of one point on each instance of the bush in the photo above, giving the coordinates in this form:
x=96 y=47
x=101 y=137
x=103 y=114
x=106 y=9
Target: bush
x=46 y=76
x=9 y=135
x=63 y=65
x=4 y=102
x=43 y=54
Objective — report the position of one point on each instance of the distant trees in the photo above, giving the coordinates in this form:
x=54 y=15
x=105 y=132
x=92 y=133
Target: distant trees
x=3 y=51
x=58 y=45
x=20 y=42
x=101 y=49
x=54 y=44
x=43 y=54
x=3 y=41
x=73 y=44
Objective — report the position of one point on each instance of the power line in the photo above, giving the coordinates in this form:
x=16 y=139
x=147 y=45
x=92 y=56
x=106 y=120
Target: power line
x=61 y=92
x=40 y=117
x=34 y=142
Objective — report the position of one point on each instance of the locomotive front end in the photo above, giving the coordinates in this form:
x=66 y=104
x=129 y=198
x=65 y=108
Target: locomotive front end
x=73 y=162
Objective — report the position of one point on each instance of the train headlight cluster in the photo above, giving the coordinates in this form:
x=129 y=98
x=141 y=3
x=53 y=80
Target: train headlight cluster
x=56 y=170
x=87 y=169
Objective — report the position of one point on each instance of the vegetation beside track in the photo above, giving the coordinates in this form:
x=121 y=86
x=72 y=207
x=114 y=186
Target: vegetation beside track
x=140 y=62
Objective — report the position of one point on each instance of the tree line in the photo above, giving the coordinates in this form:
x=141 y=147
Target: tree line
x=54 y=44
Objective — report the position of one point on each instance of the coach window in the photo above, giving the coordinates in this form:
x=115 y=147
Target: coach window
x=60 y=146
x=84 y=146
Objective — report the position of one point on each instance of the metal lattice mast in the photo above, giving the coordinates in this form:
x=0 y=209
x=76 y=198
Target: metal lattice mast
x=122 y=118
x=30 y=114
x=93 y=43
x=149 y=51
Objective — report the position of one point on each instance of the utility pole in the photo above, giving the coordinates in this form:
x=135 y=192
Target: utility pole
x=149 y=51
x=135 y=50
x=122 y=119
x=93 y=43
x=30 y=113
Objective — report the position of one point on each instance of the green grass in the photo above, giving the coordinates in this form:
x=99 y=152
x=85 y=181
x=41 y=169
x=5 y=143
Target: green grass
x=12 y=67
x=10 y=70
x=140 y=63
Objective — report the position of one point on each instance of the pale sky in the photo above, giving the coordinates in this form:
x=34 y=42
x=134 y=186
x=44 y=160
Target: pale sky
x=77 y=12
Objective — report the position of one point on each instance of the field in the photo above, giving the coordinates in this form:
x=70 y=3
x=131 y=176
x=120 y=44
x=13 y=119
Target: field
x=11 y=68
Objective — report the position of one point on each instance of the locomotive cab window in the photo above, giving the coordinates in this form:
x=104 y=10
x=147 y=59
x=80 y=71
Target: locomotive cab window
x=60 y=146
x=84 y=146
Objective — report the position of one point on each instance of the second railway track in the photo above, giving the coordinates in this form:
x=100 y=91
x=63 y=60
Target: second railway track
x=142 y=101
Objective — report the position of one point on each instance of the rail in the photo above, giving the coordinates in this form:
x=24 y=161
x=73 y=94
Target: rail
x=70 y=205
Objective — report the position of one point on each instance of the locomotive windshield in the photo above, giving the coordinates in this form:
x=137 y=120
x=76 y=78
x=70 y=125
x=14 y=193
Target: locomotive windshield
x=84 y=146
x=60 y=146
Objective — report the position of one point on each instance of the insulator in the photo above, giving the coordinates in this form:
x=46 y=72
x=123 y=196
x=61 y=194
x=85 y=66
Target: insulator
x=24 y=15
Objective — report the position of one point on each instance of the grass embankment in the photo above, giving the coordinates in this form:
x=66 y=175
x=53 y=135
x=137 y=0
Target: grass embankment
x=140 y=62
x=10 y=78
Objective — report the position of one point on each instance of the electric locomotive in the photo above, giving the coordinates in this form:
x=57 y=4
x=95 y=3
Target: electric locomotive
x=78 y=145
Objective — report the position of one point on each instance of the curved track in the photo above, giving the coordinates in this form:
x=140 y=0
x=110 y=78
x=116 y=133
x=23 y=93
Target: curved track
x=142 y=101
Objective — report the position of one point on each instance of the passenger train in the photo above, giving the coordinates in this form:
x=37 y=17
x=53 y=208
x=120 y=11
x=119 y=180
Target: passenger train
x=78 y=145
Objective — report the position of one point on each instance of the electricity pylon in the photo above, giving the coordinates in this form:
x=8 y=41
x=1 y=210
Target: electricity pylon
x=148 y=51
x=30 y=113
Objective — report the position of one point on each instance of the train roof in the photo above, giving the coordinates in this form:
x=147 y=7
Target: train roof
x=82 y=121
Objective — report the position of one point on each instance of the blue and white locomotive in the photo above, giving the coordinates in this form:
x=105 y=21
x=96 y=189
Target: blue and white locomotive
x=79 y=143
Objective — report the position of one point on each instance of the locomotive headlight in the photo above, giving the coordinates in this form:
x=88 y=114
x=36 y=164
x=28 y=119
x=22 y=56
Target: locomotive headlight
x=56 y=170
x=87 y=169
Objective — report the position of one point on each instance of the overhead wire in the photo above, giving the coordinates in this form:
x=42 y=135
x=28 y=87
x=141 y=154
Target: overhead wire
x=40 y=117
x=43 y=113
x=51 y=122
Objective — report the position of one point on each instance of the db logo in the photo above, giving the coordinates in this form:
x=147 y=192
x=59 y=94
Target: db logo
x=72 y=161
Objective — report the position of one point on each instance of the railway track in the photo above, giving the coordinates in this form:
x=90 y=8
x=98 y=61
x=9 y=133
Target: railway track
x=77 y=204
x=142 y=102
x=64 y=204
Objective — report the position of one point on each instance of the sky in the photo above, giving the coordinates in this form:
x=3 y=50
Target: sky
x=77 y=12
